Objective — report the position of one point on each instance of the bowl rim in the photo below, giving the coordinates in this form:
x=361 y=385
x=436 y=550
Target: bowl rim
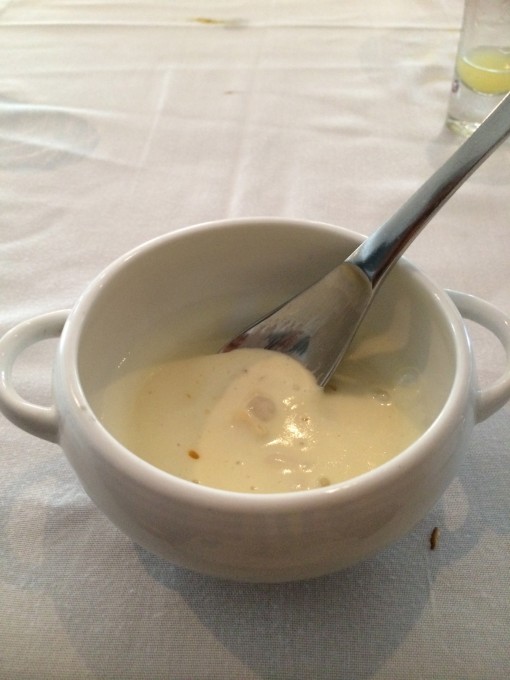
x=125 y=462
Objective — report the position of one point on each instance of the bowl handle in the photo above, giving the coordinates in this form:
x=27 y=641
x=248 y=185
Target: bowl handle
x=492 y=398
x=41 y=421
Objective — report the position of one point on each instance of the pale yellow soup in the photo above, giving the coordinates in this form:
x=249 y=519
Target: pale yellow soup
x=256 y=421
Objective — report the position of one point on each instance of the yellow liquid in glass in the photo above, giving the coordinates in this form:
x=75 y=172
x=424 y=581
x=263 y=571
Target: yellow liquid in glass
x=486 y=70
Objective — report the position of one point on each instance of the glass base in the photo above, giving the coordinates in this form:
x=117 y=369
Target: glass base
x=465 y=128
x=467 y=108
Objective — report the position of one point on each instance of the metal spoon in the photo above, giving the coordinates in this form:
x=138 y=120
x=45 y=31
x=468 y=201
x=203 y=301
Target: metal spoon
x=318 y=325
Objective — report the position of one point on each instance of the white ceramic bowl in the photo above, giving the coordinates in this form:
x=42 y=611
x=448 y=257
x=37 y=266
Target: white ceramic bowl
x=253 y=537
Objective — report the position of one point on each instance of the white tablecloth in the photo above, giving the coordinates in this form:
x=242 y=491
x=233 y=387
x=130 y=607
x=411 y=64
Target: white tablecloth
x=123 y=119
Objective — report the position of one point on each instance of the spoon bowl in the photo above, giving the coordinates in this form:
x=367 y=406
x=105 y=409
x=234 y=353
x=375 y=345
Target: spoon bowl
x=317 y=326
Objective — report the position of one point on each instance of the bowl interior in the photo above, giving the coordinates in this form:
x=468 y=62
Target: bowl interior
x=194 y=289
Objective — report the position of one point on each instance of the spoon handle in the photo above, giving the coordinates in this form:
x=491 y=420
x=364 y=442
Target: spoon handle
x=379 y=252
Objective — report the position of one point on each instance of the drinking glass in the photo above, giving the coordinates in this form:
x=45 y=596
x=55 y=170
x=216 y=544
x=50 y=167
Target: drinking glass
x=482 y=65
